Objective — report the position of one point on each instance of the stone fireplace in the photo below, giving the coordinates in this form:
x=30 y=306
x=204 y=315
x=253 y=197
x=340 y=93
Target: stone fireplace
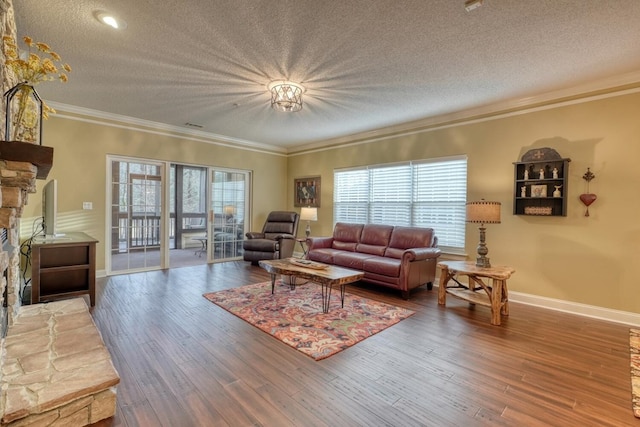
x=54 y=366
x=20 y=165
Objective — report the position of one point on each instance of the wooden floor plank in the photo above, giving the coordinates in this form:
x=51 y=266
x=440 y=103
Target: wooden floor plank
x=185 y=361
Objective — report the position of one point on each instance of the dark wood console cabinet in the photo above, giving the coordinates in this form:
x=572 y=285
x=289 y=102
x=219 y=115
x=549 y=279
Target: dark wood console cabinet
x=63 y=267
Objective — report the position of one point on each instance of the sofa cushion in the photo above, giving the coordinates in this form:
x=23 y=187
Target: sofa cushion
x=383 y=266
x=354 y=260
x=408 y=237
x=370 y=249
x=374 y=239
x=346 y=236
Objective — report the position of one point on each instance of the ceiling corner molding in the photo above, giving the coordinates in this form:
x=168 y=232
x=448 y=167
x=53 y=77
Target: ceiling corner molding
x=606 y=88
x=110 y=119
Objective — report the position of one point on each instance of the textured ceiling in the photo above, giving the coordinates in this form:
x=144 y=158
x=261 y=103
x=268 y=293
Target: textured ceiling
x=366 y=64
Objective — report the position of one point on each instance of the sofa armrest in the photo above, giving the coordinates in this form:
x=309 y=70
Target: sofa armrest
x=255 y=235
x=319 y=242
x=419 y=254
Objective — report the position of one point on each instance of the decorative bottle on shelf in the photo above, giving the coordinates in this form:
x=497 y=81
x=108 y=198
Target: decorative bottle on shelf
x=556 y=193
x=526 y=174
x=555 y=174
x=23 y=114
x=541 y=173
x=523 y=191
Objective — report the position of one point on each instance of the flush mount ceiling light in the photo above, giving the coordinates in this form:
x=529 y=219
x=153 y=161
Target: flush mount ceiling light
x=109 y=19
x=286 y=96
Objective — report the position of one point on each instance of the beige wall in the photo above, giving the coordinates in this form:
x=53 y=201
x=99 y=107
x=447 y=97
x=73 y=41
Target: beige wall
x=80 y=150
x=591 y=260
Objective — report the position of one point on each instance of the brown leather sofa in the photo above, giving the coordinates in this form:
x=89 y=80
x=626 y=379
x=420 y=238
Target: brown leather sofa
x=397 y=257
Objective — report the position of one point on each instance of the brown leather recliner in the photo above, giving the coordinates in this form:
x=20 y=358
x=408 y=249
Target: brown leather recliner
x=277 y=239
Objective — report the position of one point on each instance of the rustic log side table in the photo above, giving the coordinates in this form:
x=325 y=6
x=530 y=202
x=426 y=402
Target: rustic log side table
x=492 y=294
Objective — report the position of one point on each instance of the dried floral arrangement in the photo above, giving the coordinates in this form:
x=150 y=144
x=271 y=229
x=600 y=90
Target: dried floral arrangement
x=38 y=64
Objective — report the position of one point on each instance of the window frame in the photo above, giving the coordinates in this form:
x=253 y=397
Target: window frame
x=403 y=202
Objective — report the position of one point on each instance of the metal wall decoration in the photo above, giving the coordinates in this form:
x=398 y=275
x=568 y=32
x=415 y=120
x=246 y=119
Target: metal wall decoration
x=588 y=198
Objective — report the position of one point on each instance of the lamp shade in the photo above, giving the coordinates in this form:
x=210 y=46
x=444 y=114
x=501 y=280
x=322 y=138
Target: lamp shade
x=483 y=212
x=309 y=214
x=229 y=210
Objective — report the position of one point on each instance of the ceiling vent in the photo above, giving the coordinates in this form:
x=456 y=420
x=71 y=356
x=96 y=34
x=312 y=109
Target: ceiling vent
x=193 y=125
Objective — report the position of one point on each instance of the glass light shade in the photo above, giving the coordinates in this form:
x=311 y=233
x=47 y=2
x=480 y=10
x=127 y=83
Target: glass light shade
x=286 y=96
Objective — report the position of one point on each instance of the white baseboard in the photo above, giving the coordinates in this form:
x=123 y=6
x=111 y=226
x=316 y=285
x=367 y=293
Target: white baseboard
x=593 y=311
x=576 y=308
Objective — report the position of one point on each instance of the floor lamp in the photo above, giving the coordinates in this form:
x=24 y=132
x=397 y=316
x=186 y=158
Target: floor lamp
x=482 y=213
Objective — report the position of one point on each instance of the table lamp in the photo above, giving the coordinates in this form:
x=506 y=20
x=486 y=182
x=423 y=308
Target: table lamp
x=308 y=214
x=482 y=213
x=229 y=212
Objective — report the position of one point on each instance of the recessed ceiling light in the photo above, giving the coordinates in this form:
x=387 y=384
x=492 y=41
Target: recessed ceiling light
x=111 y=20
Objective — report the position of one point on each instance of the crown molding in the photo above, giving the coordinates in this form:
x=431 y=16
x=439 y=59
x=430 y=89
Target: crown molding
x=126 y=122
x=606 y=88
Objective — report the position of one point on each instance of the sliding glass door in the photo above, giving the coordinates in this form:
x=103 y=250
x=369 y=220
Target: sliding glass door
x=199 y=216
x=188 y=215
x=228 y=213
x=136 y=215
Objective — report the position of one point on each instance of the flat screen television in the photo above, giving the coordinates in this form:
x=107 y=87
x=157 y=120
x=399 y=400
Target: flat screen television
x=50 y=208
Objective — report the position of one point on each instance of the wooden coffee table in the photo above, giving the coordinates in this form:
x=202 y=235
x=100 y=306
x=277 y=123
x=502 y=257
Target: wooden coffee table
x=326 y=277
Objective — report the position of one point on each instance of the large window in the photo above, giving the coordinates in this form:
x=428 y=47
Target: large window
x=425 y=193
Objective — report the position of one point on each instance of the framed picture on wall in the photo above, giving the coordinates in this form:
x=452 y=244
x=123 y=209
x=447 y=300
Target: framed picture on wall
x=538 y=191
x=306 y=192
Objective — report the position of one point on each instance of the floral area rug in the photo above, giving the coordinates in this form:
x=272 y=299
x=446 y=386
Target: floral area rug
x=634 y=344
x=295 y=316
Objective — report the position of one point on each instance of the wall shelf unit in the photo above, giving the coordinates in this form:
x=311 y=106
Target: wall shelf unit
x=541 y=184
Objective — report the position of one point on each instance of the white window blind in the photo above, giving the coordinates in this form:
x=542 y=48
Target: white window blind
x=390 y=195
x=351 y=203
x=429 y=193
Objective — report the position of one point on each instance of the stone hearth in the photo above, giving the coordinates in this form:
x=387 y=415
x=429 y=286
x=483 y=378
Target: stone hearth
x=56 y=370
x=54 y=366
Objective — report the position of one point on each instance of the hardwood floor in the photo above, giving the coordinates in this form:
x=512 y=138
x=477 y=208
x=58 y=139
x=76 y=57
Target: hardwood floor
x=184 y=361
